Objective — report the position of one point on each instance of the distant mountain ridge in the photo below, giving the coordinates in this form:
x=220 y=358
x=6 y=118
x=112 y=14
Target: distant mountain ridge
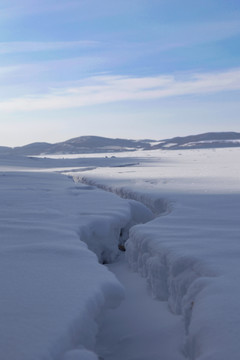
x=201 y=141
x=97 y=144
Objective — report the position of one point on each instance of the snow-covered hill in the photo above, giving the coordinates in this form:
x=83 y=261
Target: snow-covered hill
x=82 y=144
x=201 y=141
x=97 y=144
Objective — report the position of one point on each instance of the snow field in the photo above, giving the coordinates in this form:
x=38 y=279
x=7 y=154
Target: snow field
x=190 y=257
x=60 y=163
x=155 y=204
x=53 y=288
x=193 y=266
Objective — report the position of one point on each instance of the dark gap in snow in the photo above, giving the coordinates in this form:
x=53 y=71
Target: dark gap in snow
x=109 y=347
x=104 y=262
x=121 y=247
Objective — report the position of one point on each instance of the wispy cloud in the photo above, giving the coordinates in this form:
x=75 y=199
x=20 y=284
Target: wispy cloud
x=31 y=46
x=108 y=89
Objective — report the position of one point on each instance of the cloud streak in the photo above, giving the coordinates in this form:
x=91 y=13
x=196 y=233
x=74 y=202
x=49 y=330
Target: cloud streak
x=109 y=89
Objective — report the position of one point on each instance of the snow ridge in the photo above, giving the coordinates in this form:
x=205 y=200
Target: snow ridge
x=51 y=283
x=158 y=206
x=172 y=278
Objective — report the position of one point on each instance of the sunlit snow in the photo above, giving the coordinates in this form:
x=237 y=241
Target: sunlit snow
x=177 y=214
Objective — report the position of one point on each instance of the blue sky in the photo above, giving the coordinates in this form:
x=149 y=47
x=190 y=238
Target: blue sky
x=135 y=69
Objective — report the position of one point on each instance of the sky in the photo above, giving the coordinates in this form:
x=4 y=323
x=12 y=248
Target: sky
x=130 y=69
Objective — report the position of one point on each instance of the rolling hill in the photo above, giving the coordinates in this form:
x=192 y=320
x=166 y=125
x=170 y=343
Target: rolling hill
x=97 y=144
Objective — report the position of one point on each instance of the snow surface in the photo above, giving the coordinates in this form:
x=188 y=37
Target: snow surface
x=222 y=141
x=141 y=327
x=190 y=256
x=168 y=145
x=57 y=298
x=52 y=286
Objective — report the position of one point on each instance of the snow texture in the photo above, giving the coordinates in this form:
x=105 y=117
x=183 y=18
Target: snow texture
x=56 y=233
x=53 y=288
x=141 y=327
x=190 y=256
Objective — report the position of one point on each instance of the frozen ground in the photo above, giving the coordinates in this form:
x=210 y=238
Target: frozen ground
x=182 y=290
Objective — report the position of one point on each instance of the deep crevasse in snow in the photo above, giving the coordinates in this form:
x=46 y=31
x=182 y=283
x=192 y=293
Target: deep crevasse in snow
x=191 y=260
x=52 y=286
x=141 y=327
x=191 y=256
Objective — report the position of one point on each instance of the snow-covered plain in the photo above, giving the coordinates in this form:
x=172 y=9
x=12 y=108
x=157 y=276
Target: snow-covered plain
x=52 y=287
x=56 y=296
x=190 y=256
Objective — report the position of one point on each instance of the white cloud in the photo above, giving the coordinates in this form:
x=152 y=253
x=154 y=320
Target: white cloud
x=108 y=89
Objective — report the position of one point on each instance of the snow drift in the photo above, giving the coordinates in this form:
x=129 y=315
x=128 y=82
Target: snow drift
x=53 y=287
x=190 y=258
